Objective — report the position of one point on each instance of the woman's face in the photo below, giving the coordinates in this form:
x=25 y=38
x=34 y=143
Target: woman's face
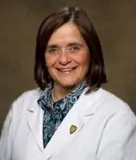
x=67 y=56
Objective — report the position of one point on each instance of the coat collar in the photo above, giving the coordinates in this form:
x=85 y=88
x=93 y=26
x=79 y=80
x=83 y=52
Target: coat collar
x=85 y=99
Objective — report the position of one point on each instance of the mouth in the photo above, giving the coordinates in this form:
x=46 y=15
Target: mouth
x=67 y=70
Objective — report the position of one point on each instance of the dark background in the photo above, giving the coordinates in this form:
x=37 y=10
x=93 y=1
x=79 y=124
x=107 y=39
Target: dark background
x=115 y=22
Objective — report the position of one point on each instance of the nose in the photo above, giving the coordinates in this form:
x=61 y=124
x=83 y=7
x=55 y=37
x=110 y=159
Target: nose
x=64 y=58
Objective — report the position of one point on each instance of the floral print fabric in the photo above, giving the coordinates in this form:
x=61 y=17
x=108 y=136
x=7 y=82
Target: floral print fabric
x=54 y=113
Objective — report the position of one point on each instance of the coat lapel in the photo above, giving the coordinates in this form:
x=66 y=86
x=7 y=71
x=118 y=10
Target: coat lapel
x=70 y=127
x=72 y=124
x=34 y=122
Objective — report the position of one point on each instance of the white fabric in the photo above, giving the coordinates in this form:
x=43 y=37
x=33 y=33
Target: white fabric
x=106 y=127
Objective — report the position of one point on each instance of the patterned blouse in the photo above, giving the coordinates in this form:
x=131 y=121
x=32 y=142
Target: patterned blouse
x=54 y=113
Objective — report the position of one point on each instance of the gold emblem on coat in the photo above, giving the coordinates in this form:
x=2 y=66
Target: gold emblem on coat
x=73 y=128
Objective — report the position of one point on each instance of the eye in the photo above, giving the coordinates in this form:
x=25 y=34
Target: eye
x=74 y=49
x=52 y=50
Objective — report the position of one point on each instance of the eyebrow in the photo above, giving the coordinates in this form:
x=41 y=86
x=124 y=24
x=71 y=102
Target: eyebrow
x=69 y=44
x=75 y=44
x=52 y=46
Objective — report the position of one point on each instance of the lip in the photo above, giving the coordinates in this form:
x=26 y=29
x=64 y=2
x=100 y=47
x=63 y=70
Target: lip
x=67 y=70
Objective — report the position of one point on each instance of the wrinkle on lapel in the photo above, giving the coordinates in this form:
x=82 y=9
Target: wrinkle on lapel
x=34 y=122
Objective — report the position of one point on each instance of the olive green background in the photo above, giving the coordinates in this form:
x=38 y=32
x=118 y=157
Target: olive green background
x=115 y=22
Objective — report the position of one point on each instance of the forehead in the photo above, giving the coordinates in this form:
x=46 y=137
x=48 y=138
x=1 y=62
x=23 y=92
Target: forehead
x=67 y=33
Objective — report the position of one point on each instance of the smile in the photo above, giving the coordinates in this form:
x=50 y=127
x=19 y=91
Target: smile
x=66 y=70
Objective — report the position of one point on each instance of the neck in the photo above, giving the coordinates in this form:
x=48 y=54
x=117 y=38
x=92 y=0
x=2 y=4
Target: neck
x=60 y=92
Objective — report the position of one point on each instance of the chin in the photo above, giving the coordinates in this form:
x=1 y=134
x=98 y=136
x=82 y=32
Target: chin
x=68 y=84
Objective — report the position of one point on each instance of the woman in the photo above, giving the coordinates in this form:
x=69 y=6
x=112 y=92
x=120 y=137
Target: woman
x=69 y=117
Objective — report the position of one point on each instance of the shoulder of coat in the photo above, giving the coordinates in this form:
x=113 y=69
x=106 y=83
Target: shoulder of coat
x=106 y=100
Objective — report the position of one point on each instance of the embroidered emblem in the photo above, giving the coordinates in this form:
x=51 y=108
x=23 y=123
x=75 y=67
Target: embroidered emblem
x=73 y=128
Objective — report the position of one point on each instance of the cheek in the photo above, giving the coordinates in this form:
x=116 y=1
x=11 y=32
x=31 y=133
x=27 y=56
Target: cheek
x=49 y=60
x=84 y=60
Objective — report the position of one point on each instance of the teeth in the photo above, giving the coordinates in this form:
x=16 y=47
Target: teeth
x=66 y=70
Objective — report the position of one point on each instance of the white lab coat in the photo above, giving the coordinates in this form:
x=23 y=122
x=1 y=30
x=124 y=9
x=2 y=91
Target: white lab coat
x=105 y=125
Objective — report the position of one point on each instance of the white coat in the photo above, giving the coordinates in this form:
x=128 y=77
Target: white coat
x=105 y=125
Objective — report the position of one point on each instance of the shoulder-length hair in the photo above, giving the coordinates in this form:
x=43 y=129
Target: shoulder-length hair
x=96 y=75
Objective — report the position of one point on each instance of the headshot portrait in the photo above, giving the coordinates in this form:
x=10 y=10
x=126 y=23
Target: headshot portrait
x=69 y=115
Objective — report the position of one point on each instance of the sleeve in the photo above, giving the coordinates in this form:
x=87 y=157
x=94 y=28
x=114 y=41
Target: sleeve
x=117 y=138
x=130 y=150
x=6 y=137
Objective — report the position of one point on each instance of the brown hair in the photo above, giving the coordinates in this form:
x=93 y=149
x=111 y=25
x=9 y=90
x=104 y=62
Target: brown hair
x=96 y=75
